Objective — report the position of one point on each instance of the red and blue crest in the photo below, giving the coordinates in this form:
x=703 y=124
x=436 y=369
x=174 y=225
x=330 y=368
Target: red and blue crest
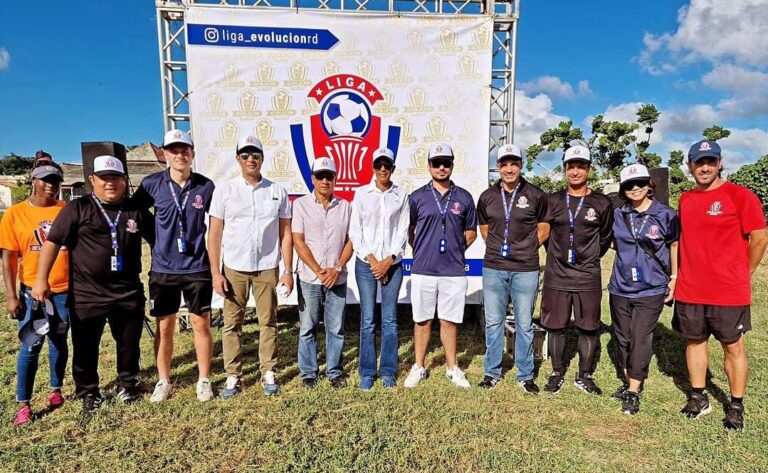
x=345 y=130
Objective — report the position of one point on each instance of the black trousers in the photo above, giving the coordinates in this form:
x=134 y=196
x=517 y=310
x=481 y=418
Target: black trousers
x=633 y=323
x=87 y=329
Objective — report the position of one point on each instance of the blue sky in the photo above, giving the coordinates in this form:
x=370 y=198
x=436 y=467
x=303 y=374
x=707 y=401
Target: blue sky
x=70 y=72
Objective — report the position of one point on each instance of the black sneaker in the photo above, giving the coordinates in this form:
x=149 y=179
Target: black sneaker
x=91 y=403
x=339 y=382
x=488 y=382
x=631 y=403
x=309 y=383
x=554 y=382
x=587 y=384
x=621 y=392
x=697 y=406
x=528 y=386
x=734 y=418
x=129 y=395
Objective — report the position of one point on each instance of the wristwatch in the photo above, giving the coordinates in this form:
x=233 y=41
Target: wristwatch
x=338 y=269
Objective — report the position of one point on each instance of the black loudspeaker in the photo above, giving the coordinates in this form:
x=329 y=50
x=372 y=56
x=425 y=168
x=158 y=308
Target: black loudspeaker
x=660 y=177
x=93 y=149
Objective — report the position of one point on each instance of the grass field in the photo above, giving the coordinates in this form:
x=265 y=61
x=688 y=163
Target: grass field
x=433 y=428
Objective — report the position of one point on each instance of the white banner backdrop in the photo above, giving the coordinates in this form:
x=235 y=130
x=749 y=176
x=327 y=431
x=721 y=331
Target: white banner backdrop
x=341 y=84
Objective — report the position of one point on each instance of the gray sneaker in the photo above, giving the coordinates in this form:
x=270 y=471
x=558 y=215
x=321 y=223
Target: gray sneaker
x=269 y=384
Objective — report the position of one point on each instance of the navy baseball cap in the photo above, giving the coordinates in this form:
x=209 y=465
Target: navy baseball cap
x=704 y=149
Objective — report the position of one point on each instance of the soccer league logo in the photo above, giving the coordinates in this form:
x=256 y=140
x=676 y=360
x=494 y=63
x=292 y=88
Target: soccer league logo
x=41 y=235
x=345 y=130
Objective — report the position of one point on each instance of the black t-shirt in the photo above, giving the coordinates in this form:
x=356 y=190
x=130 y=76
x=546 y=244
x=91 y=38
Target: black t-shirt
x=593 y=232
x=528 y=209
x=82 y=228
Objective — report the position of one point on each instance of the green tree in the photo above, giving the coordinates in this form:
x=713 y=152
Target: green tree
x=678 y=181
x=15 y=165
x=715 y=132
x=755 y=178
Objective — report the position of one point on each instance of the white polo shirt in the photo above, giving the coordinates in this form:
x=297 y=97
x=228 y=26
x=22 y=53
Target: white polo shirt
x=379 y=222
x=251 y=214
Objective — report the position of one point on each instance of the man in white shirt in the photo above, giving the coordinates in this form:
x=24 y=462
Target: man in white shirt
x=250 y=230
x=378 y=229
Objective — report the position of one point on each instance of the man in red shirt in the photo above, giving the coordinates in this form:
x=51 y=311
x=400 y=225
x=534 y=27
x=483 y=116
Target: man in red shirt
x=722 y=242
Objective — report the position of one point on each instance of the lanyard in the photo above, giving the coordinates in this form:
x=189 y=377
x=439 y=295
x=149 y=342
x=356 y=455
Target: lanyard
x=112 y=225
x=572 y=216
x=441 y=209
x=180 y=207
x=507 y=209
x=637 y=232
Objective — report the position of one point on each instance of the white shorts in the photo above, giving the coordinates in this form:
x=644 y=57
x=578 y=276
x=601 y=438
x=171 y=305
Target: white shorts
x=446 y=293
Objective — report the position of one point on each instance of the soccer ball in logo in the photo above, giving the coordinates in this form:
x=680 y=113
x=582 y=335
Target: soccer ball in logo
x=345 y=114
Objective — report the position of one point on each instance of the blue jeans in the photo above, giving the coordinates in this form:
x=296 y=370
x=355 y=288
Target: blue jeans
x=498 y=287
x=367 y=285
x=315 y=299
x=58 y=352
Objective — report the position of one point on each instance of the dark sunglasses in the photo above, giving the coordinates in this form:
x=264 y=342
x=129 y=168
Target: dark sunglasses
x=383 y=164
x=245 y=156
x=325 y=176
x=437 y=163
x=628 y=186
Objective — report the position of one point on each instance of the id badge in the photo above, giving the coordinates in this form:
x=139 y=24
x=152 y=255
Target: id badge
x=572 y=256
x=637 y=275
x=116 y=262
x=504 y=252
x=442 y=246
x=182 y=244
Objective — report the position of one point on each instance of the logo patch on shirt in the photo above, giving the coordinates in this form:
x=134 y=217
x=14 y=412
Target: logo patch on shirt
x=653 y=233
x=198 y=202
x=591 y=215
x=131 y=226
x=522 y=202
x=456 y=208
x=715 y=209
x=41 y=234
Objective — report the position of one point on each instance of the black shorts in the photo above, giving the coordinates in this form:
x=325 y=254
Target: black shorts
x=165 y=292
x=699 y=321
x=556 y=306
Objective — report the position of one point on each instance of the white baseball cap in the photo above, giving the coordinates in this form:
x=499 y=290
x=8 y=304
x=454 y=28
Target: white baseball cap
x=440 y=150
x=323 y=164
x=577 y=153
x=509 y=150
x=249 y=141
x=632 y=172
x=384 y=153
x=107 y=164
x=174 y=136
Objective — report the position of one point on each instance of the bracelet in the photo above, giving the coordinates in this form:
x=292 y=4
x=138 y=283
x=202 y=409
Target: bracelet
x=673 y=276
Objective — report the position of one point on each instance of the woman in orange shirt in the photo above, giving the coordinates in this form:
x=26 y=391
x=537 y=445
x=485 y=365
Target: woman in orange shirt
x=23 y=230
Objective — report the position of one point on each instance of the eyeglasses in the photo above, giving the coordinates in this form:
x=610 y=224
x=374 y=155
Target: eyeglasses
x=325 y=176
x=437 y=163
x=383 y=164
x=628 y=186
x=256 y=156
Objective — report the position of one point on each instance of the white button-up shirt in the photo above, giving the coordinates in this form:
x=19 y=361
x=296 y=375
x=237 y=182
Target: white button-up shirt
x=251 y=214
x=379 y=222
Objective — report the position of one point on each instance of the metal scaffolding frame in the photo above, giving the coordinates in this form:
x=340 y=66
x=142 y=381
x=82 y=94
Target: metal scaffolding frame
x=506 y=13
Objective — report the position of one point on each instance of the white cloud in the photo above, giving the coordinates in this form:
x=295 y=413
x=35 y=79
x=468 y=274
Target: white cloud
x=732 y=78
x=556 y=88
x=533 y=116
x=5 y=59
x=711 y=30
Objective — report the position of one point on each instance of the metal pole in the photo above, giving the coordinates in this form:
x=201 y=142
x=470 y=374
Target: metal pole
x=161 y=51
x=512 y=71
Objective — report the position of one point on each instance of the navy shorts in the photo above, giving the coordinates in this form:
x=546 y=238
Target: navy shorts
x=165 y=292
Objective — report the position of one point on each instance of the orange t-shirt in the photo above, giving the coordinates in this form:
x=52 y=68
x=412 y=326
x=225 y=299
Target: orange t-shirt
x=24 y=229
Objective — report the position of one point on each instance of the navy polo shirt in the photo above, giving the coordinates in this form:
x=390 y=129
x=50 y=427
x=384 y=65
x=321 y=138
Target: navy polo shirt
x=155 y=191
x=661 y=229
x=425 y=216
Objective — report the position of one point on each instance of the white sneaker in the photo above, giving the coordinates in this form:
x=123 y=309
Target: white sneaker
x=457 y=377
x=204 y=390
x=162 y=391
x=415 y=376
x=269 y=384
